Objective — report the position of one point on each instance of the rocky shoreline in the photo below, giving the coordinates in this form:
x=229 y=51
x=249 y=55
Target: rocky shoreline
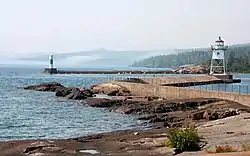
x=192 y=69
x=156 y=110
x=160 y=113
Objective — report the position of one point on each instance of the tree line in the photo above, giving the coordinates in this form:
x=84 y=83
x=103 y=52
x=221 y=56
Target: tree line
x=237 y=59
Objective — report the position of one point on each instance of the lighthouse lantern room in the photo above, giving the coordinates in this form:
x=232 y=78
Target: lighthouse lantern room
x=218 y=64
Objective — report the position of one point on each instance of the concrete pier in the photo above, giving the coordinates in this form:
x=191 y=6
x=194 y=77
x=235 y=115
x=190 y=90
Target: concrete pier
x=56 y=71
x=183 y=81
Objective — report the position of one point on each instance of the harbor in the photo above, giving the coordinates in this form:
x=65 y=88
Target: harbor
x=215 y=75
x=159 y=102
x=125 y=78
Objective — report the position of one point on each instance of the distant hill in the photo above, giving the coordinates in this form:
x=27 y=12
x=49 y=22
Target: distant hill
x=237 y=58
x=101 y=57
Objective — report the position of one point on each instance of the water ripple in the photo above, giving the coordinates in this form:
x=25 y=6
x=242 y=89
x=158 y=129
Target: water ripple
x=31 y=115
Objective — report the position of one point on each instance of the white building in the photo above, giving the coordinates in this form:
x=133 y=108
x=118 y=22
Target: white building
x=218 y=64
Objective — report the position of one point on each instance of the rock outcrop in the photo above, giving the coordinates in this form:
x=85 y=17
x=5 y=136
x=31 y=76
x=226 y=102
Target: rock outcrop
x=62 y=91
x=166 y=113
x=192 y=70
x=47 y=86
x=74 y=93
x=152 y=109
x=111 y=89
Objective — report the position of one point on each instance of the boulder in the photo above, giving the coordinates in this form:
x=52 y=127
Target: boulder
x=69 y=96
x=79 y=96
x=147 y=117
x=113 y=93
x=111 y=89
x=161 y=118
x=228 y=113
x=102 y=103
x=199 y=69
x=126 y=109
x=62 y=91
x=41 y=146
x=48 y=86
x=87 y=92
x=74 y=93
x=205 y=115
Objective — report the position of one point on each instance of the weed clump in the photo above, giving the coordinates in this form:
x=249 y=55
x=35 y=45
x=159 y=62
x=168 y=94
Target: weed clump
x=184 y=139
x=221 y=149
x=225 y=149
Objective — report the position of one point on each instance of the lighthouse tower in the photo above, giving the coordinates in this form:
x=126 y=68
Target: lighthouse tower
x=218 y=64
x=51 y=69
x=51 y=62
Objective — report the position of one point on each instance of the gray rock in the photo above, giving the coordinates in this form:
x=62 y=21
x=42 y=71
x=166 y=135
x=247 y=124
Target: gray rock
x=48 y=86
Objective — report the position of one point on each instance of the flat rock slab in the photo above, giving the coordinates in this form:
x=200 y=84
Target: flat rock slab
x=113 y=143
x=202 y=153
x=232 y=130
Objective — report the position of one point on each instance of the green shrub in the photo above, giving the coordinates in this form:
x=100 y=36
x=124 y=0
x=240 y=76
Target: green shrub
x=184 y=139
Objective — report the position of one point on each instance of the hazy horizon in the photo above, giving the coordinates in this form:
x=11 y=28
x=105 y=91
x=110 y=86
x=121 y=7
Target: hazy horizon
x=38 y=27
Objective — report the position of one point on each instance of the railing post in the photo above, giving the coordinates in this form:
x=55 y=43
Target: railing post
x=178 y=89
x=239 y=93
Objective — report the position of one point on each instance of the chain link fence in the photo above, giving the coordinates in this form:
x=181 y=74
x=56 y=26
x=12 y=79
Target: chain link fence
x=155 y=87
x=162 y=81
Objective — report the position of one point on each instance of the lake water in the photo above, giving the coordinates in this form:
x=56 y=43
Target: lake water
x=30 y=115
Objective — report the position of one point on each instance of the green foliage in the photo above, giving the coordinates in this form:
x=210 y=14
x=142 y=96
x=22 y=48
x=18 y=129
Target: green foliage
x=174 y=60
x=184 y=139
x=237 y=59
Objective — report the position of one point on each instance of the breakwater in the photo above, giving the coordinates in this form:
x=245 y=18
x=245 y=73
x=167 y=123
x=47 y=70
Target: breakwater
x=170 y=92
x=56 y=71
x=153 y=87
x=182 y=81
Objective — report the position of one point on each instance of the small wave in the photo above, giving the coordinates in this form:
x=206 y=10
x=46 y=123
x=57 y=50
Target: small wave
x=20 y=137
x=12 y=126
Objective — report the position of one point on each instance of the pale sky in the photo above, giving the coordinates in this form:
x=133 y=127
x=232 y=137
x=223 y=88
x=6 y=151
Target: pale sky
x=42 y=26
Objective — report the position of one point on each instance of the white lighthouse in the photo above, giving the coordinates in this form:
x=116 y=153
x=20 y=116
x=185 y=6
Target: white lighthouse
x=51 y=69
x=218 y=64
x=51 y=62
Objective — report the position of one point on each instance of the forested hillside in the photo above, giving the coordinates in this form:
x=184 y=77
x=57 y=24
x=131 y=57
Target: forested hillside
x=237 y=58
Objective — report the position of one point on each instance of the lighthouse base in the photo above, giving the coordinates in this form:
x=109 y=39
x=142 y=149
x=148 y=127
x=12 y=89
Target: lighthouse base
x=226 y=78
x=50 y=70
x=223 y=76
